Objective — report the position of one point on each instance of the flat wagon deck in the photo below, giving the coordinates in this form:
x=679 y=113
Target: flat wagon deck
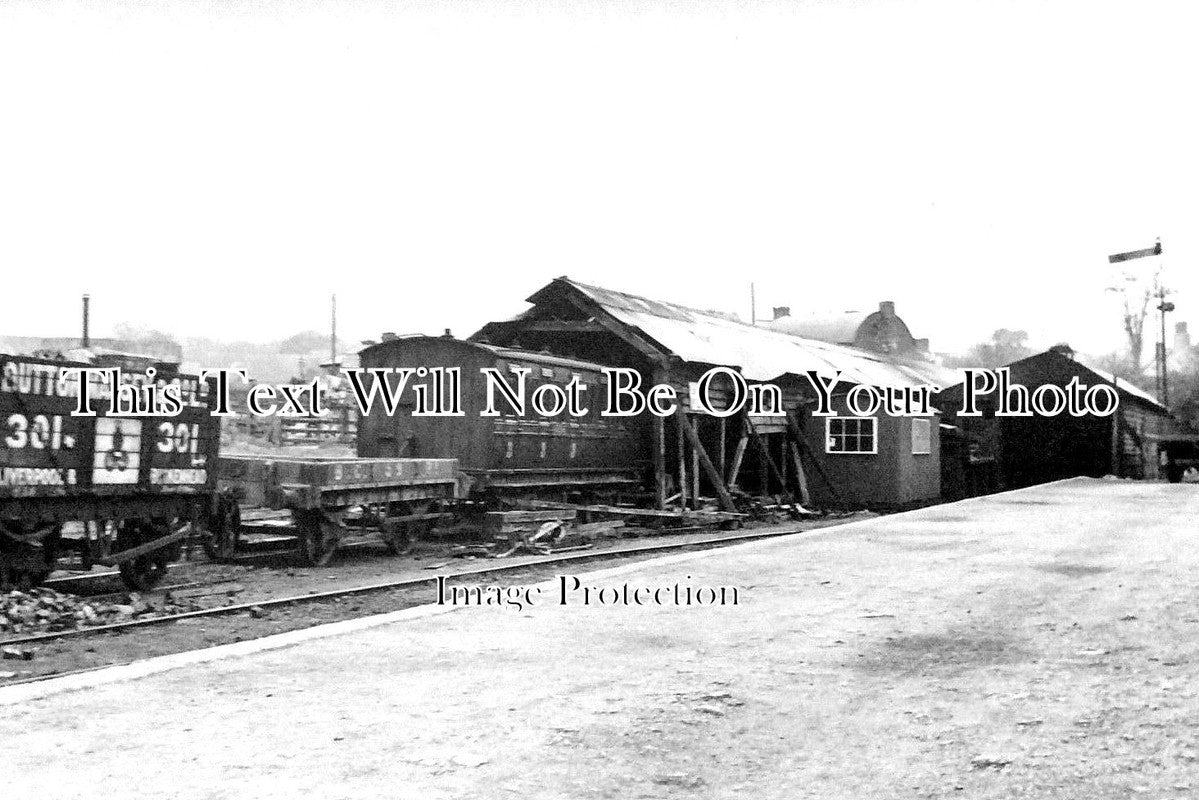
x=397 y=497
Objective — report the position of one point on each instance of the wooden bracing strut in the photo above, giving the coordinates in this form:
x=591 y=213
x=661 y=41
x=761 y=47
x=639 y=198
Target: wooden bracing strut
x=797 y=433
x=701 y=456
x=764 y=454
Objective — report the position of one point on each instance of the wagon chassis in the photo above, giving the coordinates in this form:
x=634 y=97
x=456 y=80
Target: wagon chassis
x=149 y=531
x=398 y=499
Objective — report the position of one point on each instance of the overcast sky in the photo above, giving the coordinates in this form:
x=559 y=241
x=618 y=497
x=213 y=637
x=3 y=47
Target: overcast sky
x=219 y=169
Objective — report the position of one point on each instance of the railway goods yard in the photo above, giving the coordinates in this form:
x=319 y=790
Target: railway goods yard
x=599 y=401
x=699 y=597
x=1040 y=642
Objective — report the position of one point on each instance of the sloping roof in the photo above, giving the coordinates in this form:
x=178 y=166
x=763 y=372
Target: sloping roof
x=840 y=328
x=934 y=372
x=1121 y=384
x=708 y=337
x=1107 y=377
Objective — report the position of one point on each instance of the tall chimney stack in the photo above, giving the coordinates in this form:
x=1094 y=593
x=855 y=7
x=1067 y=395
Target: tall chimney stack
x=1182 y=338
x=87 y=340
x=333 y=333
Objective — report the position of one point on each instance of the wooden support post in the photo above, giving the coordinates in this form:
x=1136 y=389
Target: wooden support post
x=693 y=430
x=783 y=460
x=764 y=454
x=1116 y=444
x=701 y=456
x=720 y=451
x=797 y=432
x=659 y=456
x=682 y=423
x=763 y=457
x=805 y=496
x=738 y=456
x=1113 y=448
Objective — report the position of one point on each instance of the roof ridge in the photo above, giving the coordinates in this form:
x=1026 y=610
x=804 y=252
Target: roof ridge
x=727 y=316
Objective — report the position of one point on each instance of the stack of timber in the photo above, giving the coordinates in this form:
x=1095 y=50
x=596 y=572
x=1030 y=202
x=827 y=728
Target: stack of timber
x=681 y=514
x=340 y=427
x=543 y=532
x=509 y=524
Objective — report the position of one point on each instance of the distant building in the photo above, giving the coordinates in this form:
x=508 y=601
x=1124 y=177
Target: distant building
x=136 y=350
x=1183 y=357
x=881 y=331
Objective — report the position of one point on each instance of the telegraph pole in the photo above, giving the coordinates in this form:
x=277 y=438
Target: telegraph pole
x=1164 y=306
x=1159 y=361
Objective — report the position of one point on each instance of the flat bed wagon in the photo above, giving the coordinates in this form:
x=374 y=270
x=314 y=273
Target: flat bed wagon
x=328 y=497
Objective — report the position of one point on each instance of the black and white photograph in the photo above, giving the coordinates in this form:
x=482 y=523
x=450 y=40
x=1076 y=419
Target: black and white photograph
x=599 y=399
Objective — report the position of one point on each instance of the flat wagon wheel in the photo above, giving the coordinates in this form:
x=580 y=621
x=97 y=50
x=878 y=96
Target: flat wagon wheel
x=401 y=535
x=145 y=571
x=318 y=537
x=222 y=534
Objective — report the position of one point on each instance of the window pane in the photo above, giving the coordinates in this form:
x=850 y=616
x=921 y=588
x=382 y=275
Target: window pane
x=921 y=437
x=851 y=435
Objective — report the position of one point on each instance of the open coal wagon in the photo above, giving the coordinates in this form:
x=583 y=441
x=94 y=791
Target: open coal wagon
x=396 y=499
x=1178 y=455
x=121 y=491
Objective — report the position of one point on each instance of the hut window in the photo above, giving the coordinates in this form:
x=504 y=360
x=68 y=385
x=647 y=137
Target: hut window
x=922 y=437
x=851 y=435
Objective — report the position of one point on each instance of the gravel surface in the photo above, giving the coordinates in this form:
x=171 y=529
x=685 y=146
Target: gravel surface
x=208 y=585
x=1035 y=644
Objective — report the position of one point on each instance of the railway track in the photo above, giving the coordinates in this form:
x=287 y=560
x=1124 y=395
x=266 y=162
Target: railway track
x=80 y=583
x=406 y=583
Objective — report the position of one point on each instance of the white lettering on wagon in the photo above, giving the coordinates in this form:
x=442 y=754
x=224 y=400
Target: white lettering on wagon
x=36 y=476
x=37 y=432
x=160 y=476
x=49 y=380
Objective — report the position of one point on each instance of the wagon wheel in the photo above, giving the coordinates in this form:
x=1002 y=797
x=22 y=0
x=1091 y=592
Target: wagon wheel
x=318 y=537
x=401 y=536
x=222 y=535
x=29 y=556
x=49 y=553
x=145 y=571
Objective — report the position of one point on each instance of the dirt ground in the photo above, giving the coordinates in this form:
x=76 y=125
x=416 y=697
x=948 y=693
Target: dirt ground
x=1036 y=644
x=260 y=579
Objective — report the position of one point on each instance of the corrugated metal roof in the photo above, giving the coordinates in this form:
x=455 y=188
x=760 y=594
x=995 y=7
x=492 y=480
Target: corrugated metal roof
x=1103 y=375
x=708 y=337
x=496 y=351
x=1120 y=383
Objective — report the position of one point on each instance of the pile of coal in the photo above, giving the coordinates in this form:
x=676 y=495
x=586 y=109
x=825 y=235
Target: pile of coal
x=47 y=611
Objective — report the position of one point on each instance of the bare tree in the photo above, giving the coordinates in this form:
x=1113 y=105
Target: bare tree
x=1134 y=328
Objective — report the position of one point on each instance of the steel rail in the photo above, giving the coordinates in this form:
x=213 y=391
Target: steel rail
x=406 y=583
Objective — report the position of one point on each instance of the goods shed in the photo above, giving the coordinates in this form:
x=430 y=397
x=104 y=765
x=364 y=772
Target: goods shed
x=1038 y=449
x=854 y=462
